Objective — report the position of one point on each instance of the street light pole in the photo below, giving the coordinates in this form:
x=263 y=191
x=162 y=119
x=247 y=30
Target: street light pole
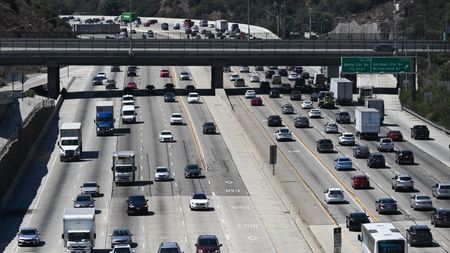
x=248 y=20
x=130 y=52
x=310 y=22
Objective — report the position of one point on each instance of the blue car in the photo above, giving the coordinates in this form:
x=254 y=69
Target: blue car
x=343 y=163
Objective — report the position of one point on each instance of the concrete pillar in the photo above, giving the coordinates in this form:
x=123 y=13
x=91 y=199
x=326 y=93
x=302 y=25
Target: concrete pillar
x=217 y=76
x=331 y=71
x=53 y=81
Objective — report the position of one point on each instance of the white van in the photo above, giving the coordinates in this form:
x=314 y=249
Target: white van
x=128 y=114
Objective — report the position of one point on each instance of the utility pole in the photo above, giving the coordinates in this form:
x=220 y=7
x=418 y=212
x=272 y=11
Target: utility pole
x=310 y=22
x=131 y=34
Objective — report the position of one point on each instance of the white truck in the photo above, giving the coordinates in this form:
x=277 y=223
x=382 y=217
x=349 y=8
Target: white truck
x=367 y=122
x=378 y=104
x=123 y=167
x=342 y=89
x=70 y=141
x=221 y=25
x=79 y=229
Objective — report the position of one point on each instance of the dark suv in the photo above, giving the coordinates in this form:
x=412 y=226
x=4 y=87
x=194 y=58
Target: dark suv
x=440 y=217
x=420 y=132
x=354 y=220
x=192 y=171
x=419 y=235
x=324 y=145
x=376 y=160
x=137 y=204
x=343 y=117
x=404 y=156
x=209 y=128
x=207 y=244
x=274 y=120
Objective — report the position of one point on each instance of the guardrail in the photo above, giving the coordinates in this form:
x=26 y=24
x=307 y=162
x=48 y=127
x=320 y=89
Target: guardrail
x=406 y=47
x=434 y=124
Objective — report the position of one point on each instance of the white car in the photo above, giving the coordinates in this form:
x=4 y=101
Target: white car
x=90 y=187
x=193 y=97
x=233 y=77
x=334 y=195
x=292 y=76
x=122 y=248
x=176 y=119
x=307 y=104
x=315 y=113
x=199 y=201
x=250 y=93
x=347 y=139
x=244 y=69
x=254 y=78
x=162 y=173
x=185 y=76
x=127 y=100
x=283 y=134
x=101 y=75
x=166 y=136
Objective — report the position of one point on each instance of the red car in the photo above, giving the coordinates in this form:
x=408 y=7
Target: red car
x=132 y=85
x=360 y=182
x=395 y=135
x=256 y=100
x=164 y=73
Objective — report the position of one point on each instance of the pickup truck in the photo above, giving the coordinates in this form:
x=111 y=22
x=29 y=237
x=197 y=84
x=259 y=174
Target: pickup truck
x=420 y=132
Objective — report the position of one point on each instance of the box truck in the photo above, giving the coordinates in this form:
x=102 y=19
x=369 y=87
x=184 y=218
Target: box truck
x=342 y=89
x=123 y=167
x=367 y=122
x=378 y=104
x=70 y=141
x=221 y=25
x=79 y=229
x=104 y=118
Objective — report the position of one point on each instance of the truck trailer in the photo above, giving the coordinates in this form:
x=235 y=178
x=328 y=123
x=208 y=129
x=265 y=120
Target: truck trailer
x=342 y=89
x=367 y=122
x=221 y=25
x=70 y=141
x=378 y=104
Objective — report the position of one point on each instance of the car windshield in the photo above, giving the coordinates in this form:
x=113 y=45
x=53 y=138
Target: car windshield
x=28 y=232
x=176 y=115
x=122 y=169
x=423 y=197
x=192 y=167
x=193 y=95
x=386 y=141
x=136 y=199
x=121 y=250
x=169 y=94
x=348 y=135
x=336 y=193
x=324 y=141
x=405 y=178
x=284 y=130
x=288 y=106
x=343 y=113
x=121 y=232
x=199 y=196
x=168 y=250
x=128 y=113
x=83 y=198
x=387 y=201
x=358 y=215
x=446 y=187
x=395 y=132
x=161 y=170
x=78 y=237
x=207 y=242
x=166 y=133
x=344 y=159
x=69 y=142
x=90 y=185
x=209 y=124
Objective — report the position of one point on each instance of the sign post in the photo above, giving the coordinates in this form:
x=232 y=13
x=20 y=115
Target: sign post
x=337 y=240
x=273 y=157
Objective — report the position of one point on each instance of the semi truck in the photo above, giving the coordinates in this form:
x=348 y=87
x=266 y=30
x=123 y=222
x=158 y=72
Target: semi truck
x=342 y=89
x=123 y=167
x=364 y=93
x=70 y=141
x=221 y=25
x=378 y=104
x=367 y=122
x=79 y=229
x=104 y=118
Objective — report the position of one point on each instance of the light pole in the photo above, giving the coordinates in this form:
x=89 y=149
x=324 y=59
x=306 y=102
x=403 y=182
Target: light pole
x=130 y=52
x=248 y=21
x=310 y=23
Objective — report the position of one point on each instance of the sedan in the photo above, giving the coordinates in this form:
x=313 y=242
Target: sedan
x=343 y=163
x=404 y=156
x=250 y=93
x=121 y=236
x=354 y=220
x=254 y=78
x=233 y=77
x=90 y=187
x=192 y=171
x=386 y=205
x=296 y=95
x=193 y=97
x=256 y=101
x=307 y=104
x=185 y=76
x=301 y=122
x=361 y=152
x=315 y=113
x=331 y=128
x=169 y=97
x=199 y=201
x=385 y=144
x=244 y=69
x=83 y=200
x=164 y=73
x=176 y=119
x=334 y=195
x=169 y=247
x=421 y=201
x=165 y=136
x=132 y=85
x=162 y=173
x=395 y=135
x=347 y=139
x=360 y=182
x=283 y=134
x=274 y=120
x=287 y=109
x=137 y=204
x=292 y=76
x=28 y=236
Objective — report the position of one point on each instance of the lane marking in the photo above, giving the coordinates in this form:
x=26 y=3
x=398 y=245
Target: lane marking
x=213 y=194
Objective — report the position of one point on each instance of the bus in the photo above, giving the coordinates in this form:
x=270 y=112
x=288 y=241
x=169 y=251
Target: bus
x=382 y=238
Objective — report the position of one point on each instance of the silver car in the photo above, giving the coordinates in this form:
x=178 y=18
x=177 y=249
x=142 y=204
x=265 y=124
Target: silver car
x=162 y=174
x=441 y=190
x=331 y=127
x=83 y=200
x=421 y=201
x=121 y=236
x=402 y=182
x=287 y=109
x=28 y=236
x=90 y=187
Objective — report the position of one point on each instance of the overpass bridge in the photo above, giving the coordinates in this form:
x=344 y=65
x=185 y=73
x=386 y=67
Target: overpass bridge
x=184 y=52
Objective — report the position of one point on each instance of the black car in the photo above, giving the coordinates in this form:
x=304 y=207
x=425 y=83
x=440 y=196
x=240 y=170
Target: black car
x=361 y=152
x=274 y=120
x=269 y=73
x=283 y=72
x=169 y=96
x=274 y=93
x=169 y=87
x=209 y=128
x=376 y=160
x=419 y=235
x=354 y=220
x=137 y=204
x=131 y=72
x=324 y=145
x=207 y=244
x=192 y=171
x=404 y=156
x=296 y=95
x=440 y=217
x=420 y=132
x=301 y=121
x=189 y=88
x=343 y=117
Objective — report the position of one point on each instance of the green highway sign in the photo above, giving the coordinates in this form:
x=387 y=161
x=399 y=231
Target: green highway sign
x=376 y=65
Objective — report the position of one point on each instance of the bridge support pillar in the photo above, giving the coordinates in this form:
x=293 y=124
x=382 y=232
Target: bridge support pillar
x=217 y=76
x=53 y=81
x=331 y=71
